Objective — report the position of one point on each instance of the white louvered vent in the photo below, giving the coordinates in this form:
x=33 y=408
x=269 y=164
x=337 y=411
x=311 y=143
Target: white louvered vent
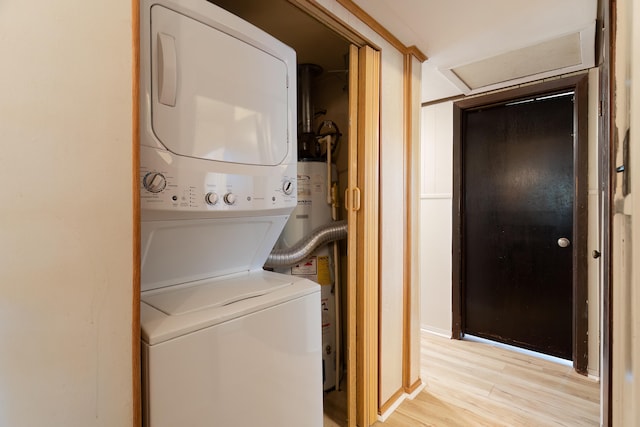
x=570 y=52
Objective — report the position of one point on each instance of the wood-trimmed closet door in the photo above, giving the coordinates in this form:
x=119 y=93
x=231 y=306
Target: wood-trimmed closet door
x=362 y=201
x=352 y=204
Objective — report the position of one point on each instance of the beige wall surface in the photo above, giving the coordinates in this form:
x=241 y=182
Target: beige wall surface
x=625 y=337
x=66 y=217
x=436 y=216
x=392 y=215
x=415 y=159
x=634 y=167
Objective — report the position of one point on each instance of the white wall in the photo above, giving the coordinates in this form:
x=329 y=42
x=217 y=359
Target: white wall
x=436 y=216
x=392 y=219
x=625 y=338
x=416 y=160
x=66 y=217
x=435 y=86
x=633 y=347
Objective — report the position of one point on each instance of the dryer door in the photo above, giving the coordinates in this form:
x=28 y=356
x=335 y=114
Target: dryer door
x=216 y=96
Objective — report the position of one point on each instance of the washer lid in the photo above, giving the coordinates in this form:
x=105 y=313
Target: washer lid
x=179 y=310
x=217 y=293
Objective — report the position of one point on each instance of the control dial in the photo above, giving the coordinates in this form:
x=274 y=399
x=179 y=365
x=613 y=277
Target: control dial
x=287 y=187
x=154 y=182
x=230 y=198
x=211 y=198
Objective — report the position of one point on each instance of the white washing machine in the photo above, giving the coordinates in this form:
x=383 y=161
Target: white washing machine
x=236 y=351
x=224 y=343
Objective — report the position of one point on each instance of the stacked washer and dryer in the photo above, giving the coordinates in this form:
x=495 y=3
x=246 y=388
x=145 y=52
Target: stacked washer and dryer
x=224 y=343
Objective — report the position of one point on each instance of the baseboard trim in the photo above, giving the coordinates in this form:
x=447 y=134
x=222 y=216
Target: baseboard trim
x=436 y=331
x=396 y=400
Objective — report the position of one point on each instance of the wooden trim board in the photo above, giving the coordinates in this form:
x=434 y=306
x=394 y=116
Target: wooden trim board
x=135 y=139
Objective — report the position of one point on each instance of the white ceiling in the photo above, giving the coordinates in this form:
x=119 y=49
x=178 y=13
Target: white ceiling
x=453 y=33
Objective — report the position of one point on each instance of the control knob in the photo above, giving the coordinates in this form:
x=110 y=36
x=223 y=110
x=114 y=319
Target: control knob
x=154 y=182
x=230 y=198
x=287 y=187
x=211 y=198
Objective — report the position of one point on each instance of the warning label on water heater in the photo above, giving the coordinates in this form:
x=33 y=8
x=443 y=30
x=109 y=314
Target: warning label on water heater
x=324 y=271
x=304 y=186
x=308 y=267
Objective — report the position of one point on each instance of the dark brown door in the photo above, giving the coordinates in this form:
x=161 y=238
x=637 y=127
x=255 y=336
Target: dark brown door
x=518 y=195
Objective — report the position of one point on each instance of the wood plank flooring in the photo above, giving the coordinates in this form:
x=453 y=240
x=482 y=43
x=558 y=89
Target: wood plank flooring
x=478 y=384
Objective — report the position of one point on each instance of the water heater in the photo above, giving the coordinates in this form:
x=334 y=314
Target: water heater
x=313 y=211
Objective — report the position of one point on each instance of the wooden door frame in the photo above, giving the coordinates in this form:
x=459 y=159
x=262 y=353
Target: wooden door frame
x=579 y=84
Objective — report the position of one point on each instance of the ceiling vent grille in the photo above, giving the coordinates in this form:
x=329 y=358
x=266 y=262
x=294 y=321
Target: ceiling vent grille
x=561 y=55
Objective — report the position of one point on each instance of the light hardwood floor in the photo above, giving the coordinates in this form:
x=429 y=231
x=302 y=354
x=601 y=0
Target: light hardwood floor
x=477 y=384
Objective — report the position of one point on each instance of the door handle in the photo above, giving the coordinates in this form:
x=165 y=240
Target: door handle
x=352 y=199
x=167 y=70
x=563 y=242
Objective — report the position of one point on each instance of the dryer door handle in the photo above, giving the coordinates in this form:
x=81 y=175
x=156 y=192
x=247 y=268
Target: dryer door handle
x=167 y=69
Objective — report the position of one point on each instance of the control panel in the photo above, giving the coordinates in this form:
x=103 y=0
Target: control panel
x=183 y=185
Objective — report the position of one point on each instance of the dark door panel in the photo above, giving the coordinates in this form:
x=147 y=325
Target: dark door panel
x=518 y=201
